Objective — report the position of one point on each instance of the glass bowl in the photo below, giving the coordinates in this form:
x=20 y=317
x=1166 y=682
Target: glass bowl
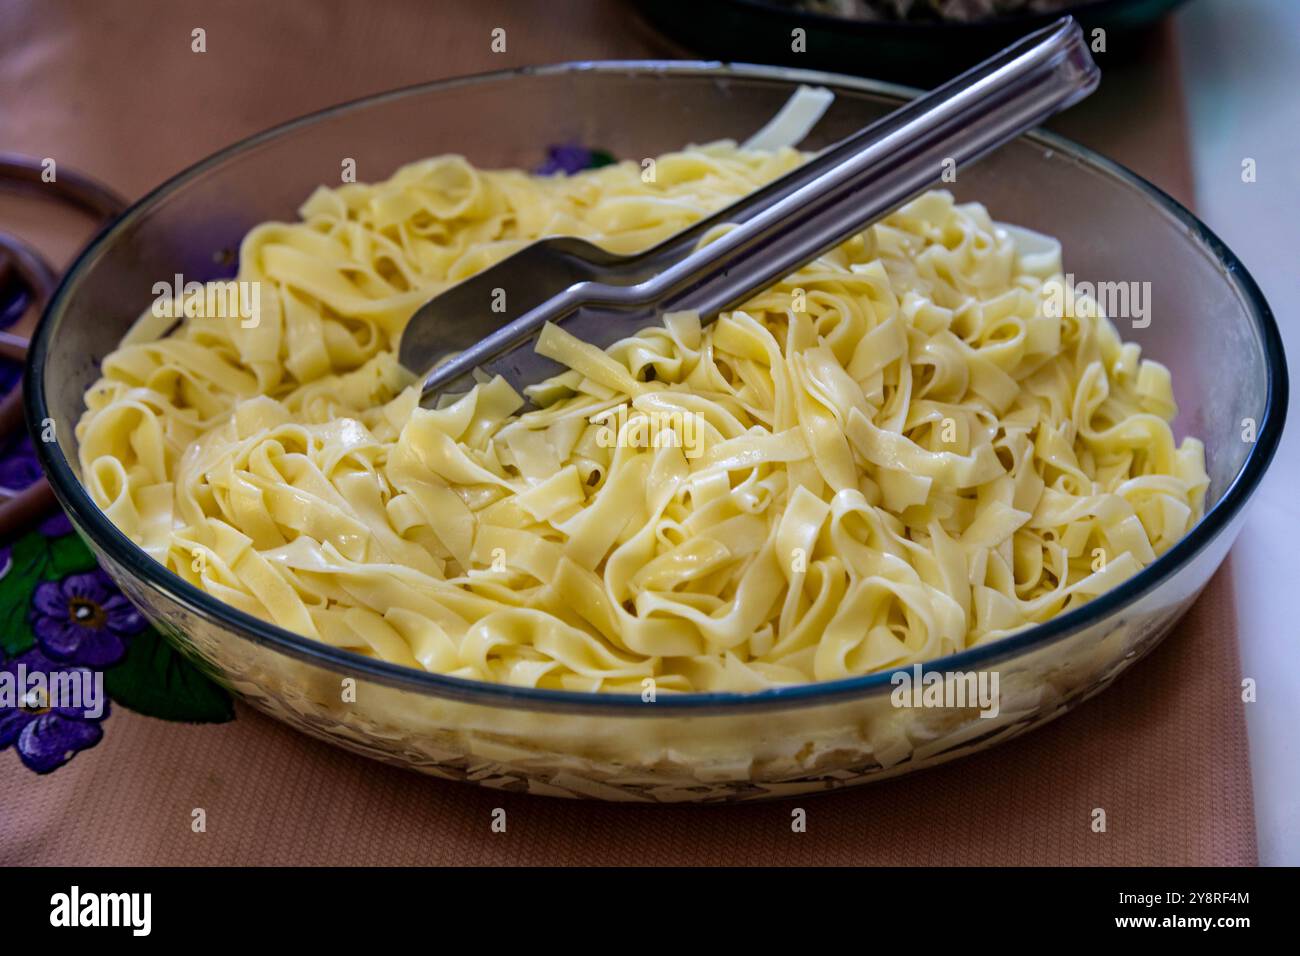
x=1208 y=323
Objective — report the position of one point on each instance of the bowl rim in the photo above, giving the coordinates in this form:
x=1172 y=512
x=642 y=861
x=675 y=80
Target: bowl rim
x=93 y=524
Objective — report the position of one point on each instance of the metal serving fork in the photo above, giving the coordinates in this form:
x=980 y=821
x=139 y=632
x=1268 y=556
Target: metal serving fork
x=600 y=297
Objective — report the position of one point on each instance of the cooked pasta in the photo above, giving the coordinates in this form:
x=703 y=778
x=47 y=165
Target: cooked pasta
x=920 y=442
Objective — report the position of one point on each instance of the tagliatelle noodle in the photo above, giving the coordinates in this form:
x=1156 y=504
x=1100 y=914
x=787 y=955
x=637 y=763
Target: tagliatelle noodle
x=921 y=442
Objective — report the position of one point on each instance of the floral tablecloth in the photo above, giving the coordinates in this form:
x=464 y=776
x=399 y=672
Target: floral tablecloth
x=60 y=613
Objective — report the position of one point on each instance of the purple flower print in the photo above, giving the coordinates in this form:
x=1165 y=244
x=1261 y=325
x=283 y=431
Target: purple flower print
x=83 y=619
x=569 y=158
x=56 y=525
x=566 y=159
x=14 y=301
x=18 y=465
x=10 y=374
x=6 y=560
x=48 y=736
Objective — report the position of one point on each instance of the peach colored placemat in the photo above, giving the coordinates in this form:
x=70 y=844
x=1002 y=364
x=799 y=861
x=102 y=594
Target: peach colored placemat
x=113 y=89
x=1162 y=752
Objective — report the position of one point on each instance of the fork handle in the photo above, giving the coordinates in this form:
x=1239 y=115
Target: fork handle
x=1052 y=71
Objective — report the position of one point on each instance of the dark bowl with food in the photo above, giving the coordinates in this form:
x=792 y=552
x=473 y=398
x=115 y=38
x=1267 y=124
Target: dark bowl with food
x=918 y=42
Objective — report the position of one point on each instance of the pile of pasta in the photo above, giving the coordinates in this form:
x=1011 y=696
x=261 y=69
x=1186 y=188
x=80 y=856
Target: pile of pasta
x=901 y=451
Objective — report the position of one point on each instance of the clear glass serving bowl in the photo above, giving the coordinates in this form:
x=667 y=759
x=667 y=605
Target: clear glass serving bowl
x=1209 y=324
